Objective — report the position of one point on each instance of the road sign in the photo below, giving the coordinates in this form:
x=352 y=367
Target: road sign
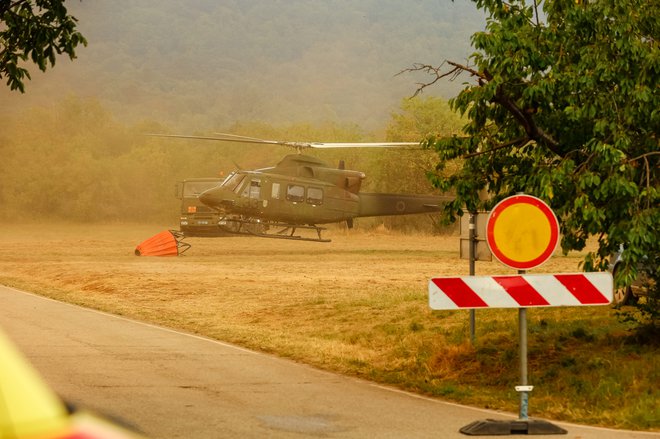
x=521 y=291
x=522 y=232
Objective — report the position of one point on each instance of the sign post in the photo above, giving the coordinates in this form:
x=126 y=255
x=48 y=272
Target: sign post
x=522 y=233
x=473 y=245
x=523 y=388
x=474 y=248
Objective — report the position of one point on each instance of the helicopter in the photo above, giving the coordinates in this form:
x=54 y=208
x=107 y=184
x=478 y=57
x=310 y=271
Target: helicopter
x=302 y=192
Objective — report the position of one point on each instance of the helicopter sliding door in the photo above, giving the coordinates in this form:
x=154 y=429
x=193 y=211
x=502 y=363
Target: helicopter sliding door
x=295 y=193
x=311 y=204
x=294 y=202
x=288 y=202
x=294 y=207
x=285 y=202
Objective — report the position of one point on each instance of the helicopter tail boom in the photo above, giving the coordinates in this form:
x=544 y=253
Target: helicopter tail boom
x=399 y=204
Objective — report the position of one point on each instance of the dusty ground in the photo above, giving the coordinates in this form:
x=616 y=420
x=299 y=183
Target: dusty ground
x=230 y=277
x=357 y=305
x=270 y=294
x=235 y=288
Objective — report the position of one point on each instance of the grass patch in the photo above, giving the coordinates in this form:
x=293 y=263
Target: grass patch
x=358 y=306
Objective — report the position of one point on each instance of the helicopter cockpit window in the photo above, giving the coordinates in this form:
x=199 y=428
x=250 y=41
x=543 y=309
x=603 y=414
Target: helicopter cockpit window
x=295 y=193
x=232 y=181
x=315 y=195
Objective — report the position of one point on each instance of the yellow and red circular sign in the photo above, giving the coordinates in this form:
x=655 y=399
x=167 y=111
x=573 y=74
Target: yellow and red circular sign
x=522 y=232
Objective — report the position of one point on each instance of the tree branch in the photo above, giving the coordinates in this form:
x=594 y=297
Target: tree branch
x=485 y=76
x=643 y=156
x=526 y=120
x=436 y=73
x=516 y=142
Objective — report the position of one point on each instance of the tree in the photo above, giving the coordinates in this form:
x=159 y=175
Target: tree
x=563 y=103
x=37 y=31
x=404 y=170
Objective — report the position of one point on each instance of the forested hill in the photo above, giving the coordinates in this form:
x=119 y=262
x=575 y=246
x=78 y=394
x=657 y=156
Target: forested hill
x=204 y=64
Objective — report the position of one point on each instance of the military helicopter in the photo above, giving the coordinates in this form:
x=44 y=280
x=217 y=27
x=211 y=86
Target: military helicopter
x=302 y=192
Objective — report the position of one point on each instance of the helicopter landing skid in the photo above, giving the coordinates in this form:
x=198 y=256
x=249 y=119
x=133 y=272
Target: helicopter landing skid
x=257 y=228
x=285 y=234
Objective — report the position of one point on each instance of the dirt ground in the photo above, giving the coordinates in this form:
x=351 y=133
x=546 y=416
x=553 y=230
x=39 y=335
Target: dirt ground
x=265 y=293
x=97 y=265
x=356 y=305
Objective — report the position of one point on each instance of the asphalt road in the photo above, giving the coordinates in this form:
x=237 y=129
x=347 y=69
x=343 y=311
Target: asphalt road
x=170 y=384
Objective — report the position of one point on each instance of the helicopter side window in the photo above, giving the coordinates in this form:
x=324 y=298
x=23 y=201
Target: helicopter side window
x=255 y=188
x=275 y=191
x=315 y=196
x=295 y=193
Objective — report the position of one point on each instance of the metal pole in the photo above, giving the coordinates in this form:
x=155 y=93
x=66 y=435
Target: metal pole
x=524 y=395
x=524 y=390
x=472 y=256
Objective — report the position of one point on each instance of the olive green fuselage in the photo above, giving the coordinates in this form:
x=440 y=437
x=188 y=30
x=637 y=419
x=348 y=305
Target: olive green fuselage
x=304 y=190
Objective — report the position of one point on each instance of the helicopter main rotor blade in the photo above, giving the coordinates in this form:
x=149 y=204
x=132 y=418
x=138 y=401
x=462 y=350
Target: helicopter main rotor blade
x=185 y=136
x=363 y=145
x=224 y=137
x=238 y=138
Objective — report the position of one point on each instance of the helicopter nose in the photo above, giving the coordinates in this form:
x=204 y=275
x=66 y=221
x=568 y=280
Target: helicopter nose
x=212 y=197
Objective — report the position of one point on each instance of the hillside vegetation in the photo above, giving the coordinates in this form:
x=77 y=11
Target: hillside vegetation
x=207 y=64
x=74 y=161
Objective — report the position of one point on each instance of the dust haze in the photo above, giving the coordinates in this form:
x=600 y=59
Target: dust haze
x=72 y=145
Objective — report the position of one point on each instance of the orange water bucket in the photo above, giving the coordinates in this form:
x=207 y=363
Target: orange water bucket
x=167 y=243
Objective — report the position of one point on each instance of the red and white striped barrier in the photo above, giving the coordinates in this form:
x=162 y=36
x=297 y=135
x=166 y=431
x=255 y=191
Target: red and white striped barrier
x=521 y=291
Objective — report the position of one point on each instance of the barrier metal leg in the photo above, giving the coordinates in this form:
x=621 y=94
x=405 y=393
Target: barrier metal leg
x=492 y=427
